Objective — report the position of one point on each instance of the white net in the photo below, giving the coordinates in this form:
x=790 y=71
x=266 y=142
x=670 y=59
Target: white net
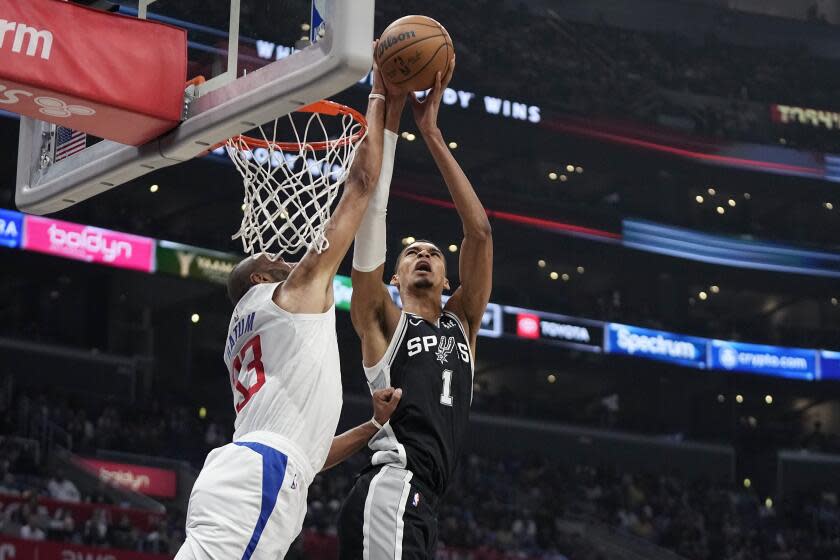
x=290 y=186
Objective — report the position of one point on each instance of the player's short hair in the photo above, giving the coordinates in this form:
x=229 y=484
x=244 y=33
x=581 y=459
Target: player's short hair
x=239 y=279
x=415 y=242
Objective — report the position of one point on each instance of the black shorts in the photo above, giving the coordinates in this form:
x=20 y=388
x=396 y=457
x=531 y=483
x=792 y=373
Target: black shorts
x=387 y=516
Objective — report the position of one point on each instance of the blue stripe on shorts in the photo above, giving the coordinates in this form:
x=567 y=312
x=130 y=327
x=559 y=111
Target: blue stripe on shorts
x=274 y=470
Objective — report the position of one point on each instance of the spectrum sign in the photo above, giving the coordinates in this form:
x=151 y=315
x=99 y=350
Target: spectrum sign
x=656 y=345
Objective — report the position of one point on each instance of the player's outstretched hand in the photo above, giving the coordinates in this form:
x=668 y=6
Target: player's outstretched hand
x=392 y=93
x=426 y=111
x=378 y=82
x=385 y=401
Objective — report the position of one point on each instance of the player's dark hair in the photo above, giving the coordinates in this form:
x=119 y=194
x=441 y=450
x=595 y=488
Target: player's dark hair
x=239 y=282
x=416 y=241
x=239 y=279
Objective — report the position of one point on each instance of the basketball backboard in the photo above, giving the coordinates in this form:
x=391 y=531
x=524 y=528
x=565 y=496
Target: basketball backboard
x=258 y=64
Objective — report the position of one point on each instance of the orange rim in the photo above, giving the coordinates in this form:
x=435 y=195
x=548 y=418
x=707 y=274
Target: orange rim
x=324 y=107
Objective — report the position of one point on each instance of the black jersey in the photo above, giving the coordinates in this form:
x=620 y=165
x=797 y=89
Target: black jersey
x=433 y=366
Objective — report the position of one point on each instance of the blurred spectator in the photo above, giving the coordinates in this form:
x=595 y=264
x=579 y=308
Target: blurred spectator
x=31 y=531
x=97 y=530
x=816 y=440
x=60 y=488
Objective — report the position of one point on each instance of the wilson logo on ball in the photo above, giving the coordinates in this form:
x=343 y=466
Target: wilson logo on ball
x=388 y=42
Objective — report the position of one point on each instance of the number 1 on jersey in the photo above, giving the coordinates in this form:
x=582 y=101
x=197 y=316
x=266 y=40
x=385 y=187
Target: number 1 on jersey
x=446 y=396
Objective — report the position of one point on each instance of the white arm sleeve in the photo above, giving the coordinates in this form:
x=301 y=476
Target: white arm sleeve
x=369 y=247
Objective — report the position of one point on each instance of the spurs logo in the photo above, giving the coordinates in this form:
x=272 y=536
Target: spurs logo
x=445 y=347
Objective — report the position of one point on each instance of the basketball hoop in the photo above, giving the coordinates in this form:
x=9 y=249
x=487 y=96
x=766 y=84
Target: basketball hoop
x=290 y=185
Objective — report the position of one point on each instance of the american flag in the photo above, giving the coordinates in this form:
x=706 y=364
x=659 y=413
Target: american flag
x=68 y=142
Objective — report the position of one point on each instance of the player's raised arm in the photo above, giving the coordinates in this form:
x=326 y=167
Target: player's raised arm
x=476 y=264
x=371 y=308
x=309 y=286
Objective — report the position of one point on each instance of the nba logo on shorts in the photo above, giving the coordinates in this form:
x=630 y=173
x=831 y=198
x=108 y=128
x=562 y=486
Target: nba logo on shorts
x=416 y=499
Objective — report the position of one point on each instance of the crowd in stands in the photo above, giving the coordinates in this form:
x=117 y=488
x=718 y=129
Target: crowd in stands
x=522 y=506
x=37 y=503
x=498 y=507
x=703 y=82
x=171 y=431
x=700 y=84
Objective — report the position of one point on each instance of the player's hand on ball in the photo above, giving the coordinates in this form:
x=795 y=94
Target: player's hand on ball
x=385 y=401
x=378 y=80
x=426 y=111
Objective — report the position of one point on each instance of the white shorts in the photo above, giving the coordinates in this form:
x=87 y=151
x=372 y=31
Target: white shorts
x=248 y=503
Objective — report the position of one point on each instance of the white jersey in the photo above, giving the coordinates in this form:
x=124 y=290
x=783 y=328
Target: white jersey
x=285 y=375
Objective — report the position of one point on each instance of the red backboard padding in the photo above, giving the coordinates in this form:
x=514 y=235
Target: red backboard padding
x=109 y=75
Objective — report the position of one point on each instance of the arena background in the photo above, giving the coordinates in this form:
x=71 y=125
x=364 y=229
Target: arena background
x=658 y=372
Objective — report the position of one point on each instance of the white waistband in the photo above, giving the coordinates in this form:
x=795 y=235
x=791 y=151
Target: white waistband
x=285 y=446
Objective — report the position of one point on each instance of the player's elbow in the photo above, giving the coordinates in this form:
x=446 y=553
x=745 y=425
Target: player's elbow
x=481 y=232
x=361 y=181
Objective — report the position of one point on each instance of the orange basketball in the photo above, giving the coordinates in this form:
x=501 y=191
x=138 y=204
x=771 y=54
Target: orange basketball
x=412 y=50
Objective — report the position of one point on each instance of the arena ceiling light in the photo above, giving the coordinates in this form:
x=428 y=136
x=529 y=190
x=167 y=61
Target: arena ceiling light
x=541 y=263
x=153 y=188
x=711 y=191
x=552 y=176
x=699 y=199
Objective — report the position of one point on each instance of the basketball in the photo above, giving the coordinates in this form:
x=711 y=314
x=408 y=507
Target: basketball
x=412 y=50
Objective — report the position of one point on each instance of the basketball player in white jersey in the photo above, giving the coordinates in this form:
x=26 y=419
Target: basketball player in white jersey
x=281 y=352
x=427 y=350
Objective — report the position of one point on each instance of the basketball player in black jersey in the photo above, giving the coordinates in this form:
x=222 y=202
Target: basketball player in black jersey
x=428 y=350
